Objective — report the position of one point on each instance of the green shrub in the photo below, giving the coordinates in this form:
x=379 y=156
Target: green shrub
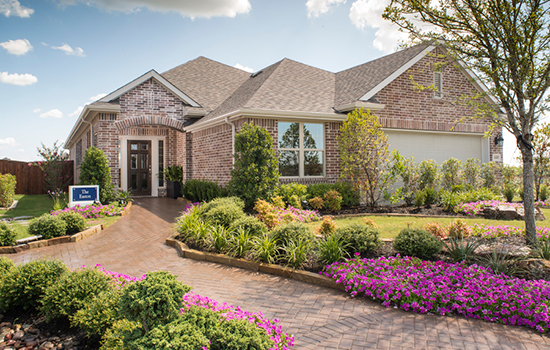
x=197 y=190
x=317 y=203
x=240 y=243
x=295 y=252
x=430 y=196
x=419 y=198
x=293 y=232
x=48 y=226
x=69 y=294
x=219 y=238
x=177 y=334
x=6 y=265
x=173 y=173
x=459 y=229
x=418 y=243
x=292 y=189
x=250 y=224
x=7 y=234
x=25 y=285
x=222 y=202
x=114 y=337
x=449 y=200
x=359 y=238
x=154 y=300
x=278 y=201
x=543 y=193
x=94 y=170
x=74 y=221
x=187 y=224
x=332 y=249
x=451 y=173
x=265 y=248
x=98 y=313
x=471 y=172
x=480 y=194
x=255 y=174
x=333 y=201
x=462 y=249
x=223 y=215
x=509 y=192
x=488 y=174
x=350 y=196
x=7 y=189
x=239 y=335
x=429 y=174
x=295 y=202
x=327 y=227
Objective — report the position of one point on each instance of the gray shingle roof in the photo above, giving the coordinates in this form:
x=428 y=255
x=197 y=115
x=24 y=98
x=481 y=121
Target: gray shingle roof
x=206 y=81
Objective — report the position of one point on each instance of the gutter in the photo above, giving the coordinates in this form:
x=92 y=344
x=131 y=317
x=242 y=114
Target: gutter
x=233 y=129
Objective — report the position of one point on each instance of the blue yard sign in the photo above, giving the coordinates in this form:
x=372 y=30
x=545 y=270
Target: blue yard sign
x=83 y=195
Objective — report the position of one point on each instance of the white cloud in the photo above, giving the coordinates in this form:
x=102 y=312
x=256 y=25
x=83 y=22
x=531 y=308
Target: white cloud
x=21 y=150
x=53 y=113
x=17 y=79
x=17 y=47
x=245 y=68
x=318 y=7
x=14 y=8
x=77 y=112
x=97 y=97
x=36 y=110
x=7 y=142
x=368 y=13
x=77 y=51
x=189 y=8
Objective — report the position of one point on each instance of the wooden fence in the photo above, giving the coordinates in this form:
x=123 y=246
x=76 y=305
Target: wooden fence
x=30 y=178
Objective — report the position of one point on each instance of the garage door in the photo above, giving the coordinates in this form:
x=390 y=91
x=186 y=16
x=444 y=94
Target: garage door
x=438 y=146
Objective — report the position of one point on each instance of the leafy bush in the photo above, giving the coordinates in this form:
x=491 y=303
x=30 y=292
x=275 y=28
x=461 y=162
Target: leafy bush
x=317 y=203
x=287 y=191
x=7 y=234
x=295 y=202
x=48 y=226
x=543 y=193
x=449 y=200
x=332 y=249
x=70 y=292
x=359 y=238
x=94 y=170
x=435 y=229
x=197 y=190
x=417 y=243
x=173 y=173
x=273 y=216
x=177 y=334
x=429 y=174
x=327 y=228
x=223 y=215
x=407 y=170
x=278 y=201
x=154 y=300
x=219 y=238
x=222 y=202
x=295 y=252
x=187 y=224
x=488 y=174
x=419 y=198
x=98 y=313
x=293 y=232
x=509 y=191
x=333 y=200
x=74 y=221
x=451 y=173
x=459 y=229
x=114 y=337
x=267 y=214
x=255 y=173
x=430 y=196
x=239 y=335
x=471 y=172
x=25 y=285
x=240 y=243
x=249 y=224
x=350 y=196
x=7 y=189
x=480 y=194
x=462 y=249
x=265 y=248
x=6 y=265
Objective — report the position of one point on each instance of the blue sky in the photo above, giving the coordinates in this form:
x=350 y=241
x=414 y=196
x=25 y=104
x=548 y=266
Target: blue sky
x=58 y=55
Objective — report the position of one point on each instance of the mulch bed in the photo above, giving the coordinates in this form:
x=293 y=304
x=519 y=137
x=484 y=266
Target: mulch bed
x=434 y=210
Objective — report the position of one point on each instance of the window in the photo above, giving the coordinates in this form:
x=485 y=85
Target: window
x=438 y=85
x=161 y=162
x=301 y=149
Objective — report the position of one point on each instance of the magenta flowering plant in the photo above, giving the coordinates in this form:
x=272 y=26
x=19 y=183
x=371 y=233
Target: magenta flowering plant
x=476 y=208
x=442 y=288
x=283 y=341
x=494 y=231
x=120 y=279
x=92 y=211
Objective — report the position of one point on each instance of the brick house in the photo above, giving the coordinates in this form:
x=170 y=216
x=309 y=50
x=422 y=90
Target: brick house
x=189 y=115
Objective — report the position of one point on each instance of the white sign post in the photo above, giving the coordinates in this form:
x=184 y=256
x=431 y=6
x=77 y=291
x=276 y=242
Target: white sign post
x=83 y=195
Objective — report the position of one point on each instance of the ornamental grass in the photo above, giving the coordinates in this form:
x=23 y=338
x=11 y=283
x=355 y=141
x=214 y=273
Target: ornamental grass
x=443 y=288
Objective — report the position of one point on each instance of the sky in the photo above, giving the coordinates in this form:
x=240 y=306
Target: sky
x=58 y=55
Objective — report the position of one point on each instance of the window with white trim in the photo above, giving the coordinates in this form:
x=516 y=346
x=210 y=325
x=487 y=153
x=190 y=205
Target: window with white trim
x=301 y=149
x=438 y=85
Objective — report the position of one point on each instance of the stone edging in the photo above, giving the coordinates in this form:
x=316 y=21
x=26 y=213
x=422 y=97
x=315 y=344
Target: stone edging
x=300 y=275
x=60 y=240
x=342 y=216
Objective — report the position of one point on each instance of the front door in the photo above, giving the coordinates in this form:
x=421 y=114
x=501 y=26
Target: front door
x=139 y=167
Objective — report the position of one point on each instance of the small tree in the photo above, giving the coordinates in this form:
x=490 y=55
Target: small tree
x=95 y=170
x=471 y=172
x=255 y=173
x=541 y=156
x=451 y=173
x=364 y=155
x=53 y=163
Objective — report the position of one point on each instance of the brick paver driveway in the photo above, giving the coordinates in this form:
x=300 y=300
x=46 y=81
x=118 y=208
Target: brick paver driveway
x=320 y=318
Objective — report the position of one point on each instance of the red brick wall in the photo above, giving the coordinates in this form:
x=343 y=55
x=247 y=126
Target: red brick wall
x=106 y=139
x=212 y=158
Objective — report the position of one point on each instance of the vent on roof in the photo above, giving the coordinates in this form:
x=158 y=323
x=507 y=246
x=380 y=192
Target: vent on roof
x=256 y=74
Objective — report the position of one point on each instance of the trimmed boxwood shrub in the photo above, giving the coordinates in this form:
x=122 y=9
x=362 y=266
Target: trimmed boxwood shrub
x=249 y=224
x=6 y=265
x=239 y=335
x=418 y=243
x=74 y=221
x=7 y=234
x=358 y=238
x=98 y=313
x=24 y=286
x=48 y=226
x=293 y=232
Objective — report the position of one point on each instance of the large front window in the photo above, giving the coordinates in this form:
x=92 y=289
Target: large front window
x=301 y=149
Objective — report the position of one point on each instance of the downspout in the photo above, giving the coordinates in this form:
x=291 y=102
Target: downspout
x=233 y=128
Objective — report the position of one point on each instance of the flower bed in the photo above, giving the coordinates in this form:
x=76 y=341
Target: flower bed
x=493 y=231
x=475 y=208
x=443 y=288
x=92 y=211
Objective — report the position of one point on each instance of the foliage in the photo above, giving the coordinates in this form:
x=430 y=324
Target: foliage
x=178 y=334
x=460 y=249
x=94 y=211
x=240 y=243
x=25 y=285
x=7 y=234
x=239 y=335
x=74 y=221
x=219 y=237
x=459 y=229
x=332 y=248
x=417 y=243
x=273 y=216
x=6 y=265
x=7 y=190
x=470 y=291
x=154 y=300
x=94 y=170
x=471 y=171
x=543 y=193
x=543 y=248
x=123 y=197
x=449 y=200
x=488 y=175
x=406 y=170
x=49 y=226
x=295 y=251
x=97 y=313
x=265 y=248
x=358 y=238
x=197 y=190
x=475 y=208
x=350 y=196
x=54 y=160
x=419 y=198
x=333 y=201
x=278 y=201
x=316 y=203
x=430 y=196
x=290 y=190
x=429 y=174
x=223 y=215
x=436 y=230
x=502 y=263
x=172 y=173
x=364 y=155
x=327 y=228
x=113 y=339
x=72 y=290
x=266 y=214
x=255 y=173
x=249 y=224
x=541 y=157
x=451 y=173
x=222 y=202
x=509 y=192
x=293 y=232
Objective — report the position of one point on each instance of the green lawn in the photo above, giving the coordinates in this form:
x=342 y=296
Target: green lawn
x=390 y=226
x=34 y=205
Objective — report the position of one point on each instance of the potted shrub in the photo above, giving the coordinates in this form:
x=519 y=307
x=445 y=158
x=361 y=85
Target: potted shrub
x=174 y=177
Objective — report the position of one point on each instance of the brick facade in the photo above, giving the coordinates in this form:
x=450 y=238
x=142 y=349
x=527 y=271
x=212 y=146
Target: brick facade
x=211 y=153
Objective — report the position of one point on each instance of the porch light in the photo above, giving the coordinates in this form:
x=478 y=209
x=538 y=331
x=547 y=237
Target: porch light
x=499 y=140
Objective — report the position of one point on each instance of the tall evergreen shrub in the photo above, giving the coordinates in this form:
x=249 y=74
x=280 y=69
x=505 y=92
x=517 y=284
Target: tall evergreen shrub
x=95 y=170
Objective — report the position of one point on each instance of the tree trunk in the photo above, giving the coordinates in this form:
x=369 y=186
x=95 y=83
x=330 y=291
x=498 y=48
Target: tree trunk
x=528 y=195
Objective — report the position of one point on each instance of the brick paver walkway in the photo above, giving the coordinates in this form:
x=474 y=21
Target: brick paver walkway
x=320 y=318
